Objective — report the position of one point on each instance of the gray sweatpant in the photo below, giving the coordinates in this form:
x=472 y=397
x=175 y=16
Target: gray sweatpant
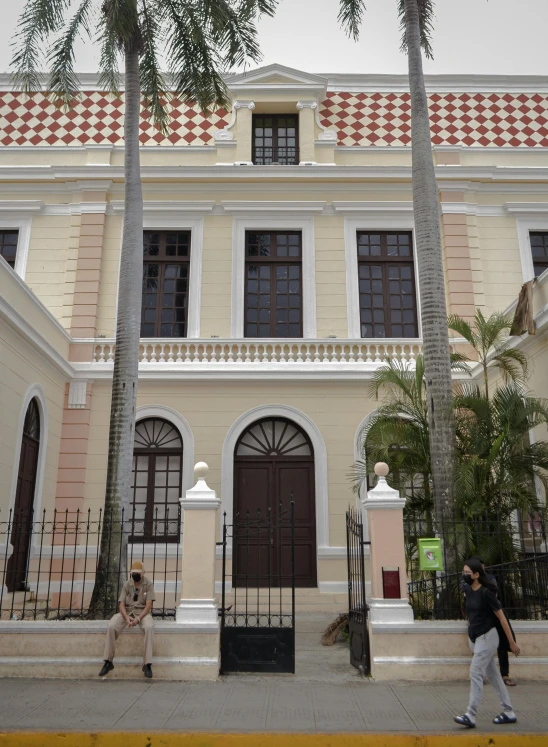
x=483 y=665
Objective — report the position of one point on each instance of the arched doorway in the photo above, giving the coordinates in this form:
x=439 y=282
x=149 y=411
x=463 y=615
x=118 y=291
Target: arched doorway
x=273 y=464
x=157 y=481
x=22 y=517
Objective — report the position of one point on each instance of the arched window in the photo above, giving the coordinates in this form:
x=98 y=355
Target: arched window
x=157 y=481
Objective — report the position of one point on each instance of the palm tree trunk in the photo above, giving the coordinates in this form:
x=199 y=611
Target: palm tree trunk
x=431 y=279
x=112 y=564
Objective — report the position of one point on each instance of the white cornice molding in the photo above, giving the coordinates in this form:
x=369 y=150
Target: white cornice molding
x=359 y=83
x=38 y=342
x=349 y=82
x=529 y=208
x=472 y=208
x=372 y=208
x=273 y=206
x=75 y=208
x=28 y=207
x=274 y=173
x=171 y=208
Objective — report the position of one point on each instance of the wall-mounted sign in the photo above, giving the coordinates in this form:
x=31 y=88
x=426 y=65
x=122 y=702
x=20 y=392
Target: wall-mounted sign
x=430 y=555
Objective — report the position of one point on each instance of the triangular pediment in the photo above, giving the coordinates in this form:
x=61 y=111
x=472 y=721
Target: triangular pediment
x=276 y=76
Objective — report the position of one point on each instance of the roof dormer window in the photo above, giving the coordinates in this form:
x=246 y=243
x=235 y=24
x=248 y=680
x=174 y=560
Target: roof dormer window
x=276 y=139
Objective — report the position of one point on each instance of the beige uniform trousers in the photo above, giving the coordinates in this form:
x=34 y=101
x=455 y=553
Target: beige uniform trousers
x=117 y=624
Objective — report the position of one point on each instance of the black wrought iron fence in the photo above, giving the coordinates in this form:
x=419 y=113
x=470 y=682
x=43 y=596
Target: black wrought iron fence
x=357 y=605
x=258 y=593
x=514 y=549
x=48 y=562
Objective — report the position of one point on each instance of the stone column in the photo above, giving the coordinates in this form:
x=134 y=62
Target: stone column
x=384 y=508
x=244 y=130
x=307 y=113
x=198 y=606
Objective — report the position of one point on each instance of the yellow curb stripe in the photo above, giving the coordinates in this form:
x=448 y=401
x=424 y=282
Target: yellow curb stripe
x=174 y=739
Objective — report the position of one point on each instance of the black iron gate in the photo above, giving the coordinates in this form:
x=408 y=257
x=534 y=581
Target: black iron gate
x=357 y=607
x=258 y=597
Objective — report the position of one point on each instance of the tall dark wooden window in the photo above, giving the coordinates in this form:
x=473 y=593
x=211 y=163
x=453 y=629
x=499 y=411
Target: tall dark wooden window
x=388 y=306
x=273 y=284
x=276 y=139
x=8 y=246
x=539 y=250
x=157 y=481
x=16 y=570
x=166 y=272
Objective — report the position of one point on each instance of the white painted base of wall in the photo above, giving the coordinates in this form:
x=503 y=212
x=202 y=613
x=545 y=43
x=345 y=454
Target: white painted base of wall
x=390 y=611
x=202 y=612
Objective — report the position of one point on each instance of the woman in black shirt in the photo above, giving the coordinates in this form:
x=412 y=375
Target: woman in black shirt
x=482 y=610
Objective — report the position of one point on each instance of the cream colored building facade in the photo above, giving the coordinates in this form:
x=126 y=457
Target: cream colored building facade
x=346 y=175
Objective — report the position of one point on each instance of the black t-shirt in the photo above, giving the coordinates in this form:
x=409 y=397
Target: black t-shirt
x=481 y=606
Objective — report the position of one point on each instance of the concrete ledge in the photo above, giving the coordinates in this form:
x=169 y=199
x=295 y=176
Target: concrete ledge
x=439 y=650
x=74 y=650
x=449 y=668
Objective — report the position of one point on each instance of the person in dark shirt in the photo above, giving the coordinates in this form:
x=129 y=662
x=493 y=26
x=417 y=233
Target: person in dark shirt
x=503 y=648
x=483 y=609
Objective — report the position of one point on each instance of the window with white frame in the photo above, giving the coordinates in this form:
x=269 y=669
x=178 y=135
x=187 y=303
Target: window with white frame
x=539 y=251
x=8 y=245
x=386 y=278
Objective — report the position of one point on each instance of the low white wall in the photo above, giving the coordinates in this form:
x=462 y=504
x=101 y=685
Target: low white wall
x=74 y=650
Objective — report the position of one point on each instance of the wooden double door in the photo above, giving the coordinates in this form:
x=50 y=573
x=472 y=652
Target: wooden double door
x=265 y=485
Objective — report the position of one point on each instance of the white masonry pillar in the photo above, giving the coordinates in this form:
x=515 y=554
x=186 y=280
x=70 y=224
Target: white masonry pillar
x=199 y=514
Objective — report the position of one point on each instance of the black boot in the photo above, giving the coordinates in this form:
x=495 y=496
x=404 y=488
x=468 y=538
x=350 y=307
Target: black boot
x=147 y=669
x=107 y=667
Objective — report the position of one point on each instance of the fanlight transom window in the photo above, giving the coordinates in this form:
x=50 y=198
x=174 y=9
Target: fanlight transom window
x=156 y=434
x=274 y=437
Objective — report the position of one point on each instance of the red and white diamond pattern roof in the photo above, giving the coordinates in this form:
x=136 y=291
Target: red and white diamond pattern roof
x=96 y=119
x=480 y=119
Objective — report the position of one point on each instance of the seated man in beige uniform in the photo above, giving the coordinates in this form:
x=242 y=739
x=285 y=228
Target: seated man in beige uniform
x=135 y=600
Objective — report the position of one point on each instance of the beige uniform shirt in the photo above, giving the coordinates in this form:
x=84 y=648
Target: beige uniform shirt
x=146 y=594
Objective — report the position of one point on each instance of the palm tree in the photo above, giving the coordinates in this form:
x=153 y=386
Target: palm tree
x=497 y=465
x=489 y=338
x=416 y=18
x=200 y=40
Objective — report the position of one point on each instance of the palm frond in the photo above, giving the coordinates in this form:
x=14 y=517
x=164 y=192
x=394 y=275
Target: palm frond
x=153 y=85
x=351 y=16
x=426 y=25
x=39 y=19
x=109 y=77
x=195 y=63
x=512 y=363
x=64 y=84
x=259 y=7
x=235 y=33
x=463 y=328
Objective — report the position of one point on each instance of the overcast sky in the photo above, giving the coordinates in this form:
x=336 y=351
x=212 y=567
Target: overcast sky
x=471 y=36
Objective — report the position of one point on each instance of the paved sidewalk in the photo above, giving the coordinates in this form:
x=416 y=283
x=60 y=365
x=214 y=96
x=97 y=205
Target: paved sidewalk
x=245 y=704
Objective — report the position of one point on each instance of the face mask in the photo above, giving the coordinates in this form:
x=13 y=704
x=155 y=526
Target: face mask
x=136 y=576
x=467 y=578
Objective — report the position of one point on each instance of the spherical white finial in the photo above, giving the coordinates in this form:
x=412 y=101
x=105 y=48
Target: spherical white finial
x=381 y=469
x=200 y=470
